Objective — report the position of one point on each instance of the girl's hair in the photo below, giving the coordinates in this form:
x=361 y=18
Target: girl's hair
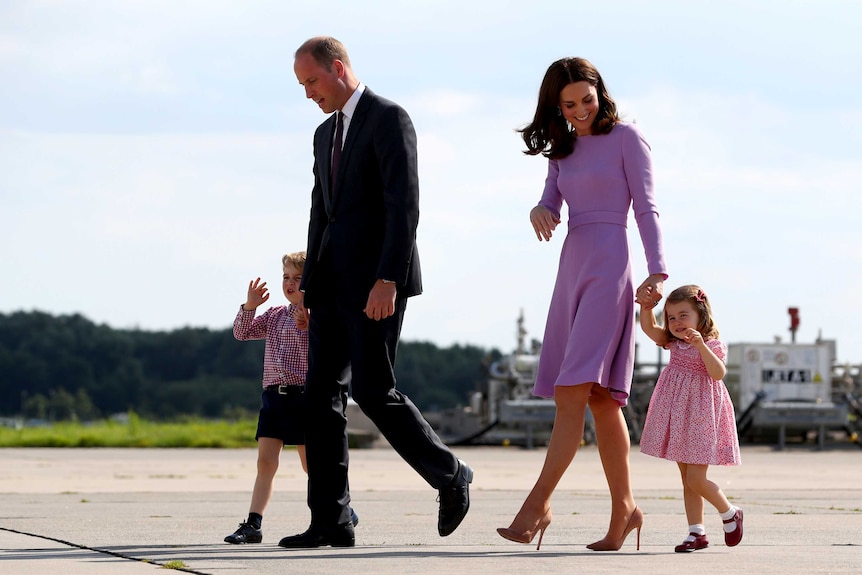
x=549 y=133
x=296 y=259
x=697 y=298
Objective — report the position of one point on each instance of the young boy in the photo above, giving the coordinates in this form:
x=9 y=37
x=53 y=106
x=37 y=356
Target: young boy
x=282 y=415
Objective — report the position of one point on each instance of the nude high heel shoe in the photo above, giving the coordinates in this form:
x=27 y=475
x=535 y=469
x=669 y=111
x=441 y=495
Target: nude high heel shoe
x=636 y=521
x=528 y=535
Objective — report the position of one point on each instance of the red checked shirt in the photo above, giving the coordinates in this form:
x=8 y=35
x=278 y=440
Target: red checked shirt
x=285 y=356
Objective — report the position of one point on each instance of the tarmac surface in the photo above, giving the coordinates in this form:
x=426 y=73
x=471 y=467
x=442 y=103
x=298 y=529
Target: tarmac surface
x=136 y=511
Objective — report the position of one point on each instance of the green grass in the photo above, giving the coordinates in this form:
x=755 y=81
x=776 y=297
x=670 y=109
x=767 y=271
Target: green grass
x=134 y=433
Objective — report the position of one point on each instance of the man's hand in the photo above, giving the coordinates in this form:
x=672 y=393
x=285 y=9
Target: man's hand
x=381 y=301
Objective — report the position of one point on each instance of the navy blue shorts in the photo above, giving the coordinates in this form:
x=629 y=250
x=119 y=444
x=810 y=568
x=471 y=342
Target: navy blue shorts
x=282 y=415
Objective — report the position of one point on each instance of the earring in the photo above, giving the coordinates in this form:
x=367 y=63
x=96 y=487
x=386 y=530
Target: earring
x=559 y=111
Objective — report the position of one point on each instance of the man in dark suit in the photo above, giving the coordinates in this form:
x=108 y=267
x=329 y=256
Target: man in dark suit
x=361 y=267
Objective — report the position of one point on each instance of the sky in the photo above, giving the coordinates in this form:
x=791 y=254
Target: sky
x=155 y=155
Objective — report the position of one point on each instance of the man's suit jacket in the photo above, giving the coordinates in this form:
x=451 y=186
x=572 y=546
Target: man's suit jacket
x=365 y=228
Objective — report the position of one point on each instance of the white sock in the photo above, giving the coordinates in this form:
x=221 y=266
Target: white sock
x=697 y=529
x=728 y=527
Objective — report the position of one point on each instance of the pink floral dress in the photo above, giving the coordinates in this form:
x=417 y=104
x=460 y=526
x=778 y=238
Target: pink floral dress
x=690 y=417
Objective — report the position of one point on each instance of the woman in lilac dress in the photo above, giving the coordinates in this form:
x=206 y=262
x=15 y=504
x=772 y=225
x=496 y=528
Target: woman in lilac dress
x=601 y=167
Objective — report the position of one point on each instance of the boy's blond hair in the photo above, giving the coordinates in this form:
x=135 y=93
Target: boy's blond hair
x=296 y=259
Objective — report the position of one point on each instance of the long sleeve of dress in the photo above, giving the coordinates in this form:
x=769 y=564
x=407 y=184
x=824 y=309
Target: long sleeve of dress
x=551 y=196
x=637 y=163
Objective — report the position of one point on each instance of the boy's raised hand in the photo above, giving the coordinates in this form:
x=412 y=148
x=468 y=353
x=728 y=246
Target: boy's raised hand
x=257 y=294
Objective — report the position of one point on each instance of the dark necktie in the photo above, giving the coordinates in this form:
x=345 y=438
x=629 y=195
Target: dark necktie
x=336 y=147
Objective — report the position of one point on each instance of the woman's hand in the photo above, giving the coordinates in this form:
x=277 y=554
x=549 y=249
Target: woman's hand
x=544 y=222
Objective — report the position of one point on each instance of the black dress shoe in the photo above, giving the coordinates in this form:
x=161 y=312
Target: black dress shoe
x=455 y=500
x=341 y=536
x=354 y=518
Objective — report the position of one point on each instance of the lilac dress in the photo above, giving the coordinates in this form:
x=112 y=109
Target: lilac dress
x=589 y=335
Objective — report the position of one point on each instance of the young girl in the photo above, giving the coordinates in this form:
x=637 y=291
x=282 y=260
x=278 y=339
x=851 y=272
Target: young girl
x=690 y=418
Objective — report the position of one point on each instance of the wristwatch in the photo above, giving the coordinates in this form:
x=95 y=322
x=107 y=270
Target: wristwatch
x=387 y=281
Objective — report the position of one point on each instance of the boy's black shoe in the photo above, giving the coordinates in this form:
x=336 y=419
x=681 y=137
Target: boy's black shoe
x=245 y=534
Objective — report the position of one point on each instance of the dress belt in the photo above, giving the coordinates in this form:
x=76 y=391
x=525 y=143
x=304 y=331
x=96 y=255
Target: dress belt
x=598 y=217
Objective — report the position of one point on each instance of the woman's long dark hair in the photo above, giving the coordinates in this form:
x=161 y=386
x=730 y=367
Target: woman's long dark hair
x=549 y=133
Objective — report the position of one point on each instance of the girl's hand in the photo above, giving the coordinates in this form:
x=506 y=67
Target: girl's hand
x=257 y=294
x=544 y=222
x=693 y=337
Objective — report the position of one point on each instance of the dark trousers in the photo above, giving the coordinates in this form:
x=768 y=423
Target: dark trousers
x=342 y=339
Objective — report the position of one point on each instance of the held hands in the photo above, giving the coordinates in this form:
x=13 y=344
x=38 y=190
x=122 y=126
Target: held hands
x=381 y=301
x=257 y=294
x=649 y=293
x=544 y=222
x=300 y=316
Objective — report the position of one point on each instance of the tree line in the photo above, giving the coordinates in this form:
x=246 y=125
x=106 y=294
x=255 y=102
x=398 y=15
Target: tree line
x=67 y=367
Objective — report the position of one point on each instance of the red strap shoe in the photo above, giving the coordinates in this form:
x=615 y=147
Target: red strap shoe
x=733 y=538
x=700 y=542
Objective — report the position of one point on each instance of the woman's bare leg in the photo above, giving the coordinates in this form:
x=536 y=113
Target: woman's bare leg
x=612 y=437
x=571 y=402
